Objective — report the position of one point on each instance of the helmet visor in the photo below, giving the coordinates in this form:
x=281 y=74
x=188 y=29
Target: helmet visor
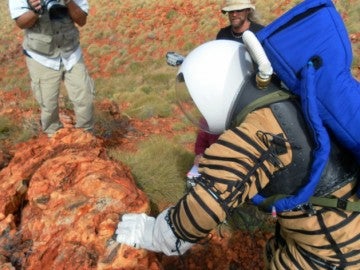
x=187 y=104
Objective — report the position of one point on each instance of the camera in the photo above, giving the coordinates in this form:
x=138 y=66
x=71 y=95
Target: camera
x=56 y=9
x=174 y=59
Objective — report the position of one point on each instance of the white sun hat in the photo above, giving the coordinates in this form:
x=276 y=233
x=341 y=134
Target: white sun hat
x=231 y=5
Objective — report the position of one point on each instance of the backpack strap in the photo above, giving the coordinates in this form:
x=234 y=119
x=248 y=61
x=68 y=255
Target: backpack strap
x=252 y=98
x=319 y=201
x=336 y=203
x=279 y=95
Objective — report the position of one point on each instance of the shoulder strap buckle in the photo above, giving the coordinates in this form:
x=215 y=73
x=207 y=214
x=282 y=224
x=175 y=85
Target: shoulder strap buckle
x=342 y=204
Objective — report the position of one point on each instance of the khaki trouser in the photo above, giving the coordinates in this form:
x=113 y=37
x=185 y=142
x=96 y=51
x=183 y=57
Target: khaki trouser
x=45 y=84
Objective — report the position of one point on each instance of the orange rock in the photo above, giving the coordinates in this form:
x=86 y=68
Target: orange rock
x=67 y=197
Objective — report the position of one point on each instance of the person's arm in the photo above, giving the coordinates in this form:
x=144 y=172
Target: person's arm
x=201 y=142
x=29 y=18
x=234 y=171
x=76 y=13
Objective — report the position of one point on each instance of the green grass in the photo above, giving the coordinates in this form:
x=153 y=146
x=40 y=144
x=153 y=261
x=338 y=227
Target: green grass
x=6 y=126
x=11 y=132
x=159 y=168
x=145 y=106
x=250 y=218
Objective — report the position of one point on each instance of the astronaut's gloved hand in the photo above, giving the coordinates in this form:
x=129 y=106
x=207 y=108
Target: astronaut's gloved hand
x=136 y=230
x=143 y=231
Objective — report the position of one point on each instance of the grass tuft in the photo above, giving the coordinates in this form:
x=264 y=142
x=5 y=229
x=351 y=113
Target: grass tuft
x=159 y=168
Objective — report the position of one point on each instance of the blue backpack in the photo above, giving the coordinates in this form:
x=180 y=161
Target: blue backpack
x=310 y=51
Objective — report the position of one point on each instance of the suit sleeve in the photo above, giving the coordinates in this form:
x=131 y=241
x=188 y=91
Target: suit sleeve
x=233 y=169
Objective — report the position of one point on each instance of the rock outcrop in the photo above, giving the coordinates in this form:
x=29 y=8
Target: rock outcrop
x=61 y=199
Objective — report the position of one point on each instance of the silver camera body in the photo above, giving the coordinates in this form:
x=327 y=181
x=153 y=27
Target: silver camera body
x=174 y=59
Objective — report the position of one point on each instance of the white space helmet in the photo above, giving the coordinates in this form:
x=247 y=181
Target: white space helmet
x=209 y=81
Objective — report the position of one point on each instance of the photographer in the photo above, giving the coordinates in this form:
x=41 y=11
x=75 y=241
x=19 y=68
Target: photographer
x=53 y=54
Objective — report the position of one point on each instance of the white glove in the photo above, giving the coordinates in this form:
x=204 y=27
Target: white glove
x=136 y=230
x=142 y=231
x=194 y=172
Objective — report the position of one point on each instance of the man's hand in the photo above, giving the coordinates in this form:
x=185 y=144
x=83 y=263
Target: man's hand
x=35 y=5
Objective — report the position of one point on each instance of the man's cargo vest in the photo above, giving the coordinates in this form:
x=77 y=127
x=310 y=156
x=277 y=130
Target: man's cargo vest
x=52 y=37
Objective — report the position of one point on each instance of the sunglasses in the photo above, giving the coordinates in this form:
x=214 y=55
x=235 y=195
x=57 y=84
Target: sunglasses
x=237 y=11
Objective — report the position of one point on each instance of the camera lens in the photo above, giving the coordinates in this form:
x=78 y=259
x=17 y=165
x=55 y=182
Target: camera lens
x=56 y=10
